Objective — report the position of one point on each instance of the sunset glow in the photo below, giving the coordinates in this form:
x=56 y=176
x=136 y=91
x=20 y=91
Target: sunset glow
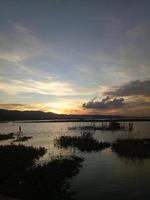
x=70 y=56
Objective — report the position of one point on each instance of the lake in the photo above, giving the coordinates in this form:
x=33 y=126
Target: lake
x=104 y=175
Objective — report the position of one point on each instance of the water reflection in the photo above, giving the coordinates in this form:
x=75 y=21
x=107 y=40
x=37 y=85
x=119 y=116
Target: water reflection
x=104 y=175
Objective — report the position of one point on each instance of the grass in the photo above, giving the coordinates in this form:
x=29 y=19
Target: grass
x=115 y=127
x=85 y=142
x=132 y=148
x=7 y=136
x=51 y=181
x=22 y=139
x=21 y=179
x=14 y=161
x=6 y=198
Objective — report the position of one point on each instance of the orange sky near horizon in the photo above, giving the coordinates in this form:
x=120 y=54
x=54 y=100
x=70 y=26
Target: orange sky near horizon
x=75 y=57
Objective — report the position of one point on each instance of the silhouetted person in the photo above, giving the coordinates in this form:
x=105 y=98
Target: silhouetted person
x=130 y=126
x=19 y=132
x=19 y=129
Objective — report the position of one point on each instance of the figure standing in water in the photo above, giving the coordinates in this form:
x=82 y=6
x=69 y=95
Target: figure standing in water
x=20 y=129
x=130 y=127
x=19 y=132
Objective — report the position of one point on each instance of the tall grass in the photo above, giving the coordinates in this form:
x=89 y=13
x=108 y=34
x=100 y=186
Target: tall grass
x=85 y=142
x=6 y=136
x=21 y=179
x=132 y=148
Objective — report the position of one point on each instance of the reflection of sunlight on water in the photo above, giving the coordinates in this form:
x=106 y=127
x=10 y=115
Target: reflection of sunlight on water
x=102 y=171
x=44 y=134
x=107 y=151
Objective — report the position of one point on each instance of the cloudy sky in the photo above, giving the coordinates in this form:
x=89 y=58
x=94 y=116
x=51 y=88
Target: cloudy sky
x=75 y=56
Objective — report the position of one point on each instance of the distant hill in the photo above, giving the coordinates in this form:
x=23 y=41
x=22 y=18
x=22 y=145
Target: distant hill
x=11 y=115
x=8 y=115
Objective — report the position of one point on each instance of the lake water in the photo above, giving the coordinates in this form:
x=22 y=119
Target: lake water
x=104 y=174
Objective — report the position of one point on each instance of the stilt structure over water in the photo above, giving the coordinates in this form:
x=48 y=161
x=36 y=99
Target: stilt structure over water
x=112 y=125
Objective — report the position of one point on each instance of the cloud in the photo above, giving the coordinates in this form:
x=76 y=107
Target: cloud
x=11 y=106
x=60 y=105
x=45 y=87
x=18 y=44
x=105 y=104
x=22 y=107
x=133 y=88
x=139 y=31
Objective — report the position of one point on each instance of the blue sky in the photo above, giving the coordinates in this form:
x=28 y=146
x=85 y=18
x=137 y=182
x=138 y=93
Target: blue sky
x=56 y=55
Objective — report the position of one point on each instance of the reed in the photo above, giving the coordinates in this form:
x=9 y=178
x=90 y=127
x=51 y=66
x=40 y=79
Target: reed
x=20 y=178
x=7 y=136
x=85 y=142
x=23 y=139
x=132 y=148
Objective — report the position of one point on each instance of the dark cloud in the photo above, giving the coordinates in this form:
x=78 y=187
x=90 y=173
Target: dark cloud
x=105 y=104
x=132 y=88
x=12 y=104
x=140 y=103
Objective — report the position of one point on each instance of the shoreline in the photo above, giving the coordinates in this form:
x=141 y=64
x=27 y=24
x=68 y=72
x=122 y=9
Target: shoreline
x=79 y=120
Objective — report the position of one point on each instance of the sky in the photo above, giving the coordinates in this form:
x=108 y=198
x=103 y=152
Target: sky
x=75 y=56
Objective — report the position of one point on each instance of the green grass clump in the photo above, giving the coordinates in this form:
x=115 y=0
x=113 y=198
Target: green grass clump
x=132 y=148
x=83 y=143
